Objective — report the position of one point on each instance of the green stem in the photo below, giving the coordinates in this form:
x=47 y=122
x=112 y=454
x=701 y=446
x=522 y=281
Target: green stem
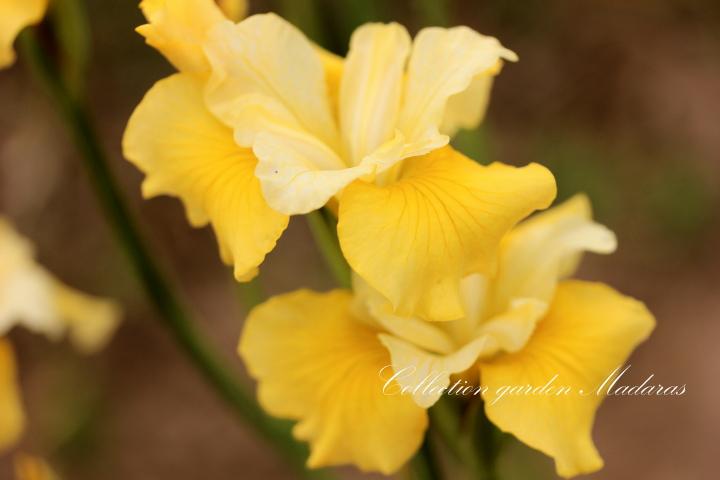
x=424 y=465
x=156 y=287
x=327 y=243
x=487 y=444
x=445 y=420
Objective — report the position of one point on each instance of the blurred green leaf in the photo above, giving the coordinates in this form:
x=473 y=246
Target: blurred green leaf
x=72 y=30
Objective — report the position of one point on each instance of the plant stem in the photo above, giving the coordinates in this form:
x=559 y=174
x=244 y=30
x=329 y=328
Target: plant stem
x=156 y=287
x=487 y=444
x=327 y=243
x=445 y=419
x=424 y=466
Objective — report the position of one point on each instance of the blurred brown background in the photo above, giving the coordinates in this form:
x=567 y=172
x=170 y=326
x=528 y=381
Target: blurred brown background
x=620 y=99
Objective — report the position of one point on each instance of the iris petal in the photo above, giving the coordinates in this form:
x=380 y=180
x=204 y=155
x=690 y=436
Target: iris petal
x=186 y=152
x=441 y=221
x=588 y=332
x=317 y=364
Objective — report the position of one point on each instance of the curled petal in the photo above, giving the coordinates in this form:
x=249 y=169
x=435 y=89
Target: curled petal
x=589 y=331
x=546 y=248
x=178 y=28
x=443 y=63
x=186 y=152
x=467 y=108
x=317 y=364
x=441 y=221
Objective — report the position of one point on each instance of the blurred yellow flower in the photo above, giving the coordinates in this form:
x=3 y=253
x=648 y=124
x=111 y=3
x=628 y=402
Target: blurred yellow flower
x=12 y=416
x=28 y=467
x=14 y=16
x=261 y=124
x=31 y=297
x=317 y=357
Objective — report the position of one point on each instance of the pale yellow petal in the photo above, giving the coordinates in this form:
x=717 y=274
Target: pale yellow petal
x=34 y=299
x=546 y=248
x=371 y=87
x=269 y=84
x=90 y=321
x=12 y=416
x=443 y=63
x=14 y=16
x=267 y=58
x=289 y=171
x=425 y=375
x=467 y=108
x=333 y=66
x=372 y=306
x=511 y=330
x=441 y=221
x=178 y=28
x=25 y=288
x=28 y=467
x=589 y=331
x=317 y=364
x=186 y=152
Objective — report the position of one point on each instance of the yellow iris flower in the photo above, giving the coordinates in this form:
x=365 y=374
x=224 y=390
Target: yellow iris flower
x=318 y=357
x=31 y=297
x=14 y=16
x=261 y=124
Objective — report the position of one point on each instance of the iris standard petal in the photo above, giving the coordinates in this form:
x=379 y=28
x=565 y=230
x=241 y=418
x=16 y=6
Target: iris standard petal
x=316 y=364
x=443 y=63
x=267 y=58
x=186 y=152
x=589 y=331
x=467 y=108
x=269 y=84
x=442 y=220
x=546 y=248
x=14 y=16
x=371 y=87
